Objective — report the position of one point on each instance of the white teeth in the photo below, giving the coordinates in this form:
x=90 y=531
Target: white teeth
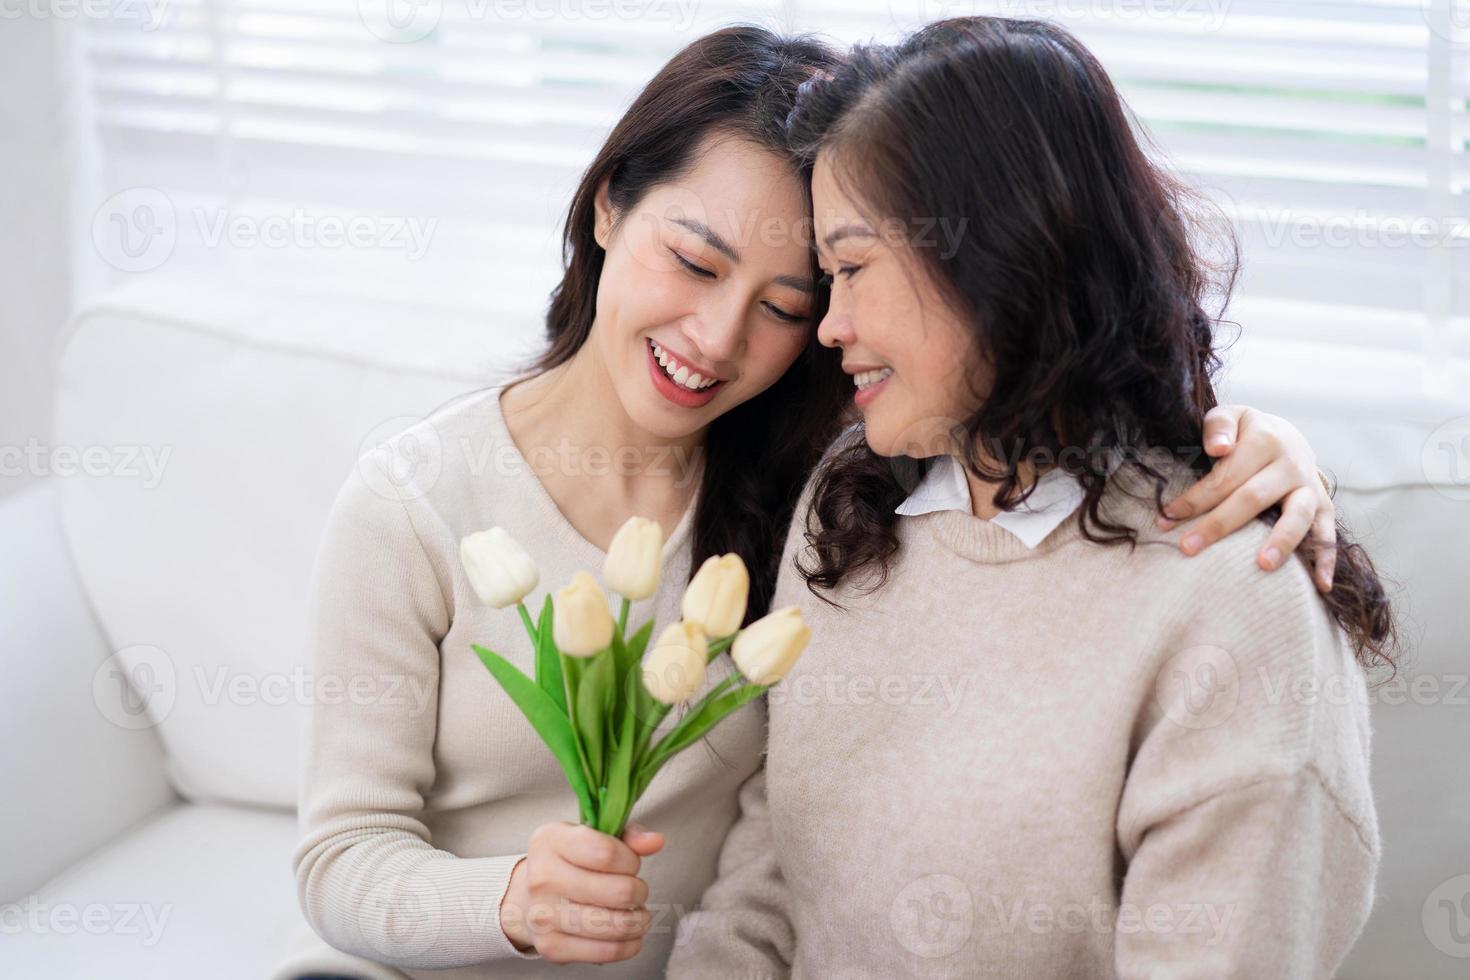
x=679 y=373
x=866 y=378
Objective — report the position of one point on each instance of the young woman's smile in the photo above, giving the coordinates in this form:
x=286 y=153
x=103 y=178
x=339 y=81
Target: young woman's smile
x=673 y=378
x=707 y=282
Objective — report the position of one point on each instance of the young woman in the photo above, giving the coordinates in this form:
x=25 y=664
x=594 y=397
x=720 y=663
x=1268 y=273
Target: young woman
x=434 y=824
x=1125 y=770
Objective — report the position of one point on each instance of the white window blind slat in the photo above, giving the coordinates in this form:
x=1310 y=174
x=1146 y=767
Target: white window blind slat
x=1331 y=133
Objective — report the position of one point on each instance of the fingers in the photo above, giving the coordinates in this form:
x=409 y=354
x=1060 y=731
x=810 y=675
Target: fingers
x=585 y=847
x=641 y=840
x=1222 y=424
x=552 y=876
x=1324 y=536
x=1216 y=486
x=1240 y=508
x=560 y=947
x=591 y=921
x=1298 y=512
x=582 y=900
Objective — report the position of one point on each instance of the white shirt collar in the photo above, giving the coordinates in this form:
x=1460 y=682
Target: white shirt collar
x=1056 y=497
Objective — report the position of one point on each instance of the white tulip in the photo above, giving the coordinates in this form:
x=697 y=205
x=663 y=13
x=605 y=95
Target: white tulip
x=499 y=569
x=580 y=622
x=766 y=649
x=632 y=566
x=675 y=669
x=715 y=598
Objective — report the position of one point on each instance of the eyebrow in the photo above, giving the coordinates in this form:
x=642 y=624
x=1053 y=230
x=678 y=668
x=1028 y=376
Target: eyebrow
x=709 y=235
x=847 y=231
x=713 y=239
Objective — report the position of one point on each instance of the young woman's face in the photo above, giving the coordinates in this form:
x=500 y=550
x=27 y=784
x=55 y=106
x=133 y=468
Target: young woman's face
x=912 y=358
x=708 y=279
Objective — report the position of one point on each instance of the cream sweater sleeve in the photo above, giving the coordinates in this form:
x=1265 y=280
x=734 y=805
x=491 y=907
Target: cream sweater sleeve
x=1249 y=833
x=742 y=928
x=369 y=880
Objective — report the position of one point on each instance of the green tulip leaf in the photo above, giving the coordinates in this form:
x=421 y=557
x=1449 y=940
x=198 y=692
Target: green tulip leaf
x=548 y=661
x=550 y=722
x=705 y=715
x=619 y=802
x=593 y=689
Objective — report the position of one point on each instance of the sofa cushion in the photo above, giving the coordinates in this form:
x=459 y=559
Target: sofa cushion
x=221 y=423
x=200 y=891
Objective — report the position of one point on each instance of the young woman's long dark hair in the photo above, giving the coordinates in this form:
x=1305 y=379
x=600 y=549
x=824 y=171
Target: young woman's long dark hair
x=740 y=81
x=1076 y=269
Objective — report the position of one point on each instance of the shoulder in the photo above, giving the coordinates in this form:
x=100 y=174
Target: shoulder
x=1250 y=663
x=452 y=440
x=414 y=474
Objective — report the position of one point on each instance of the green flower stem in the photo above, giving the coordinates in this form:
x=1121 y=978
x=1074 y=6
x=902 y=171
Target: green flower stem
x=566 y=676
x=623 y=617
x=718 y=647
x=530 y=626
x=646 y=752
x=657 y=711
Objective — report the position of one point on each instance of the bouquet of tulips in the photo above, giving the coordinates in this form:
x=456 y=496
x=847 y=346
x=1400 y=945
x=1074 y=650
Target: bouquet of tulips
x=596 y=699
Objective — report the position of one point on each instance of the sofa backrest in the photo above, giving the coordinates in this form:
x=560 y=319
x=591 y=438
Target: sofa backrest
x=212 y=427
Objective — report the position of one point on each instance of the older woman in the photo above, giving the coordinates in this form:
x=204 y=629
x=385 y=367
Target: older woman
x=1124 y=783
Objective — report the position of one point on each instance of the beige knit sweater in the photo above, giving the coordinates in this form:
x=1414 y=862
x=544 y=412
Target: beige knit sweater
x=419 y=793
x=1078 y=761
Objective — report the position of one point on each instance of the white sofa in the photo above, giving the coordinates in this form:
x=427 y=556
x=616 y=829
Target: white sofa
x=156 y=845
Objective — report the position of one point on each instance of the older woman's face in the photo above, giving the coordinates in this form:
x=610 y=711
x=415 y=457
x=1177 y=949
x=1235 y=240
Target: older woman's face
x=912 y=357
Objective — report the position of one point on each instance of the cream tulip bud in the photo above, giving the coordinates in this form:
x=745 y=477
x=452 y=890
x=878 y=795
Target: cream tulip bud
x=765 y=650
x=632 y=566
x=500 y=571
x=675 y=669
x=716 y=597
x=581 y=623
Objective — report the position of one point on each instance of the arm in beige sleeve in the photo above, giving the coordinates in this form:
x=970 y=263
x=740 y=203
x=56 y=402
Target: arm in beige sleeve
x=369 y=879
x=1267 y=880
x=1247 y=821
x=742 y=928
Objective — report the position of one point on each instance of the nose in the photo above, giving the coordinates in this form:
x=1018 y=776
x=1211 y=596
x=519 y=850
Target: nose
x=835 y=330
x=717 y=333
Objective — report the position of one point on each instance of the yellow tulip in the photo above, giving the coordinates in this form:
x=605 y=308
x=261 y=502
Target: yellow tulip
x=766 y=649
x=500 y=571
x=675 y=669
x=581 y=623
x=715 y=599
x=632 y=565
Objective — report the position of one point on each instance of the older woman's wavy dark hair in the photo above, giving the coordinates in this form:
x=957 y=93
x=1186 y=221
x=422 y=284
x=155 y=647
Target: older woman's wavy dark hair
x=1076 y=268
